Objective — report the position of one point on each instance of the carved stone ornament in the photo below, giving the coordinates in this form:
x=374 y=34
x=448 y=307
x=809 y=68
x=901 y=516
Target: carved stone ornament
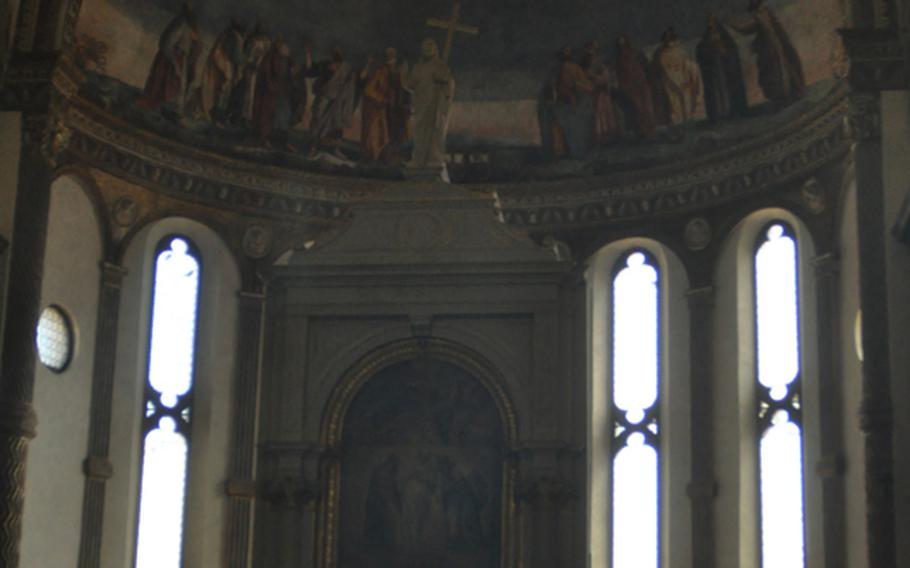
x=865 y=116
x=290 y=492
x=813 y=196
x=698 y=233
x=257 y=241
x=767 y=162
x=125 y=211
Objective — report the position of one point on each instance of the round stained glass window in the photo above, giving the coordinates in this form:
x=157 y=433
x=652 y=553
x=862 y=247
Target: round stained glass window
x=54 y=339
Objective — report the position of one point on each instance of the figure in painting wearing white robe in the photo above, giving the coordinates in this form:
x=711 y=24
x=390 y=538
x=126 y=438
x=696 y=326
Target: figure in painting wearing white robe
x=433 y=89
x=678 y=78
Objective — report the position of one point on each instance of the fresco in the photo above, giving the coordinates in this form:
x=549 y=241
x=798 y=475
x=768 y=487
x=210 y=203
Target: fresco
x=509 y=90
x=421 y=478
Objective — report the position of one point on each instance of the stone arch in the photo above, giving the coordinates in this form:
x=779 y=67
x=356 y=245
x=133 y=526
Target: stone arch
x=353 y=382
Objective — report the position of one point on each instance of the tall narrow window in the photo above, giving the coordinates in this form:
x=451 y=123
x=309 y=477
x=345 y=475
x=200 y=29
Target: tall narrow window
x=168 y=405
x=636 y=382
x=779 y=405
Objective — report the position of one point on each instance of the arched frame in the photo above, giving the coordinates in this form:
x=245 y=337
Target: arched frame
x=673 y=403
x=348 y=387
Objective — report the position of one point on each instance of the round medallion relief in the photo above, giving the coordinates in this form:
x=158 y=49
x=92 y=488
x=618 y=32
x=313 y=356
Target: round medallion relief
x=125 y=211
x=257 y=241
x=698 y=233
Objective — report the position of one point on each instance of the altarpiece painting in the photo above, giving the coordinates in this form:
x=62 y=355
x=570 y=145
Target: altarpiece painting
x=421 y=471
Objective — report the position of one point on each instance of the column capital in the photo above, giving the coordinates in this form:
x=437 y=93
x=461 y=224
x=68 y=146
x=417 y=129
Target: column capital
x=250 y=297
x=700 y=298
x=17 y=418
x=112 y=274
x=826 y=265
x=237 y=488
x=98 y=468
x=548 y=491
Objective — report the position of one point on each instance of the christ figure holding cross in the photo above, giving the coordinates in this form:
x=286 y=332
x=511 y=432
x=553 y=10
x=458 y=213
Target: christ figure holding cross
x=433 y=88
x=451 y=26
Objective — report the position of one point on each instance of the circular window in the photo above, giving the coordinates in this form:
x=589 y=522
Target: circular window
x=54 y=338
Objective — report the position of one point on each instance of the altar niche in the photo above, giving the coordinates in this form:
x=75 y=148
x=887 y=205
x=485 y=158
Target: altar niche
x=421 y=471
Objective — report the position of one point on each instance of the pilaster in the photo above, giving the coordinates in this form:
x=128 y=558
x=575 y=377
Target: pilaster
x=97 y=466
x=829 y=393
x=243 y=439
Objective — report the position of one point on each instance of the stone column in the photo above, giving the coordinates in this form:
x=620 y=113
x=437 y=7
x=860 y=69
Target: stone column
x=876 y=412
x=17 y=362
x=544 y=498
x=702 y=489
x=240 y=486
x=97 y=465
x=830 y=468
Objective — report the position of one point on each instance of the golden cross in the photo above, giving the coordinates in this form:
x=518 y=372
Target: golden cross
x=451 y=26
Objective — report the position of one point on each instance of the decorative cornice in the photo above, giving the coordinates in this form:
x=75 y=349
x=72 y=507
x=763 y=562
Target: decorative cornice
x=878 y=59
x=208 y=179
x=768 y=162
x=89 y=134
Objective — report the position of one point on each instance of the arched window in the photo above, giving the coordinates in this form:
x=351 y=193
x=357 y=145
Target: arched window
x=778 y=380
x=635 y=404
x=167 y=404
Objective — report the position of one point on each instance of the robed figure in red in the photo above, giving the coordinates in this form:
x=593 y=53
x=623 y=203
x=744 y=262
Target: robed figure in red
x=174 y=68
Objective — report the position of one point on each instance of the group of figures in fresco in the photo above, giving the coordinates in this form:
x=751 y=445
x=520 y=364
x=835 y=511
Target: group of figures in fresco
x=249 y=79
x=421 y=473
x=589 y=101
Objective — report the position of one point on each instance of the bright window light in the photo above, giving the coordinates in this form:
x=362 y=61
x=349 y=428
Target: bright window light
x=635 y=393
x=776 y=311
x=635 y=505
x=167 y=412
x=173 y=322
x=782 y=494
x=161 y=498
x=780 y=446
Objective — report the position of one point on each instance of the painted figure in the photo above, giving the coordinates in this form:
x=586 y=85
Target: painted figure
x=721 y=72
x=222 y=72
x=174 y=68
x=780 y=71
x=374 y=118
x=566 y=110
x=433 y=88
x=243 y=97
x=678 y=80
x=277 y=95
x=606 y=128
x=399 y=107
x=634 y=88
x=334 y=105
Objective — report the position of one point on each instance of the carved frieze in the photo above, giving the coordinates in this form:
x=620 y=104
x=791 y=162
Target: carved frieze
x=802 y=148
